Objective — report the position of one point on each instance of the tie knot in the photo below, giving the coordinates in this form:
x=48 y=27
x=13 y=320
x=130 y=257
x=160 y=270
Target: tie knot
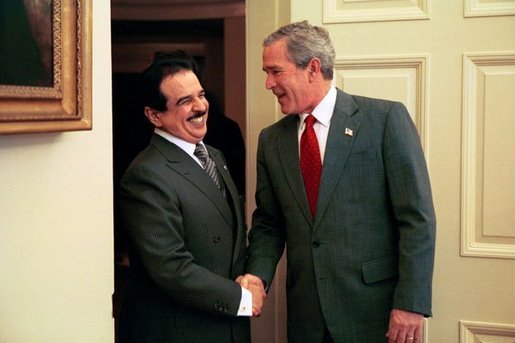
x=310 y=120
x=201 y=152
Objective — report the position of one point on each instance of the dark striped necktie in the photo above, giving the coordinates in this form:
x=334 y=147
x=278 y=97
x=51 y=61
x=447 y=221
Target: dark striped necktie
x=210 y=167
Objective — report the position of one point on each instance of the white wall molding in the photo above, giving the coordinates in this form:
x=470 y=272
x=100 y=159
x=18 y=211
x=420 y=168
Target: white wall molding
x=410 y=71
x=344 y=11
x=486 y=8
x=472 y=332
x=475 y=237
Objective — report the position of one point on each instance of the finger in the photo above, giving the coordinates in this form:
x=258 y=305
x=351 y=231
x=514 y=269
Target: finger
x=254 y=280
x=402 y=337
x=244 y=282
x=406 y=337
x=396 y=335
x=417 y=334
x=258 y=289
x=256 y=312
x=257 y=298
x=392 y=335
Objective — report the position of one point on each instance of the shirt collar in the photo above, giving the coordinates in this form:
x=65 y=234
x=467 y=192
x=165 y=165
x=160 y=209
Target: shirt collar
x=324 y=110
x=188 y=147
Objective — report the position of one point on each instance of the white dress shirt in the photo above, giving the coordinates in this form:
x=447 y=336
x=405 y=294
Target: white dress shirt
x=323 y=113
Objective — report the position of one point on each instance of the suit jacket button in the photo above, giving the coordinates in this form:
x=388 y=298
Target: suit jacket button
x=315 y=244
x=216 y=239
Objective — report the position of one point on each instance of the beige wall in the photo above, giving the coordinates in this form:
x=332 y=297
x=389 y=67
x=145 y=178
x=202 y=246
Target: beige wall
x=56 y=239
x=263 y=17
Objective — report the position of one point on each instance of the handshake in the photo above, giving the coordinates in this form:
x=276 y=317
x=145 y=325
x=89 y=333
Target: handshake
x=255 y=285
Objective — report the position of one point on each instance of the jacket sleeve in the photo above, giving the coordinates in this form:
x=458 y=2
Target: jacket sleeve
x=410 y=194
x=267 y=236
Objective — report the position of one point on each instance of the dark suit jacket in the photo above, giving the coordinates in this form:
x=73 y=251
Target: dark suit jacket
x=188 y=247
x=371 y=244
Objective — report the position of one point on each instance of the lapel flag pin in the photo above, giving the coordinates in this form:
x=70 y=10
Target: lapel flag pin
x=349 y=132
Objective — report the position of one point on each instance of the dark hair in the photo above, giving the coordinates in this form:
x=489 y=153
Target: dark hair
x=164 y=64
x=304 y=42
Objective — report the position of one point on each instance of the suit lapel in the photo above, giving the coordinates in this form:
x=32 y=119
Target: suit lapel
x=290 y=162
x=232 y=191
x=344 y=128
x=240 y=232
x=193 y=172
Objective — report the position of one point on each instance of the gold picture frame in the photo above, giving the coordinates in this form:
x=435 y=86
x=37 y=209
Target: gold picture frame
x=60 y=101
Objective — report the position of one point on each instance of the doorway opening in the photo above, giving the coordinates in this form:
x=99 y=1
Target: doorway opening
x=216 y=43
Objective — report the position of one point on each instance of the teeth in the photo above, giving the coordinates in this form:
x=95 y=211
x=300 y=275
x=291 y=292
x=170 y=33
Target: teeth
x=197 y=120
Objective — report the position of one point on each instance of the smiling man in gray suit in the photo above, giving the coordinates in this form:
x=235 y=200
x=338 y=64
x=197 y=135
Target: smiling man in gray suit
x=185 y=219
x=342 y=182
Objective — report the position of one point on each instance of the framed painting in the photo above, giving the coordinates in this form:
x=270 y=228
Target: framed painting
x=45 y=65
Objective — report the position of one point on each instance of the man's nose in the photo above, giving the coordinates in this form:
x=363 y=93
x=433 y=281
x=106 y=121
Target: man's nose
x=270 y=82
x=199 y=104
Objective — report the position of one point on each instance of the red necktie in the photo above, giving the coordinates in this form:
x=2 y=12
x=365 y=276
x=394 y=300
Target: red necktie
x=310 y=162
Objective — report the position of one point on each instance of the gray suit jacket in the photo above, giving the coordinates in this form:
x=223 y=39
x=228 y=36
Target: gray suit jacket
x=370 y=247
x=188 y=247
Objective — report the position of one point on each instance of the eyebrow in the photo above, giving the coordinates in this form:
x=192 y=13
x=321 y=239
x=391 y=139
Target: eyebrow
x=181 y=99
x=271 y=67
x=188 y=97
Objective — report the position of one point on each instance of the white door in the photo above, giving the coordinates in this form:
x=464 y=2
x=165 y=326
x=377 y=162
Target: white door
x=452 y=63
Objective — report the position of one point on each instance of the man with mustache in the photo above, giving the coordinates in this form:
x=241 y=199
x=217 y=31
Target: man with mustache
x=185 y=219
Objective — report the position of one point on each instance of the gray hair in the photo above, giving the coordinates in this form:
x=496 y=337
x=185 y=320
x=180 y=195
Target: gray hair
x=304 y=42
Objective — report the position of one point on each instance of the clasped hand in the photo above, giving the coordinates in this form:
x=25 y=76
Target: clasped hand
x=255 y=285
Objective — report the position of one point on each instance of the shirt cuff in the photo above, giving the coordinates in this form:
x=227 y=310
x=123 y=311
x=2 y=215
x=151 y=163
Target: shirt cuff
x=245 y=308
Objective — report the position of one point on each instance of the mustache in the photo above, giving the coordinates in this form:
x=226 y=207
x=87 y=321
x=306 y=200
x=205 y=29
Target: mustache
x=197 y=115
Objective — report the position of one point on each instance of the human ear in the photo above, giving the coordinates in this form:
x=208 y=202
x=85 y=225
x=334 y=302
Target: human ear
x=153 y=116
x=314 y=67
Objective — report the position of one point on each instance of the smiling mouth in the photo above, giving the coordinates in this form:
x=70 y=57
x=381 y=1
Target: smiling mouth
x=197 y=117
x=279 y=95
